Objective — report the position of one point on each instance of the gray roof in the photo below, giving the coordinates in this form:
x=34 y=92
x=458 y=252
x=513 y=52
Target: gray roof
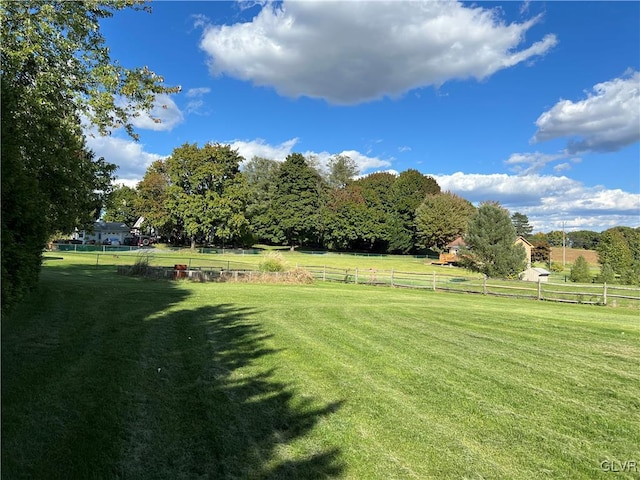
x=541 y=271
x=101 y=226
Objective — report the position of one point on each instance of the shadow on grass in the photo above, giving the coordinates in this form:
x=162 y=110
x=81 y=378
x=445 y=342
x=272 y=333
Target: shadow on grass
x=215 y=409
x=132 y=379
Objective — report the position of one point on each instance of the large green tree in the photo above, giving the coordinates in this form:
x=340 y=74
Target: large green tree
x=407 y=193
x=261 y=174
x=440 y=219
x=207 y=192
x=541 y=251
x=152 y=201
x=583 y=239
x=555 y=238
x=55 y=68
x=350 y=223
x=619 y=250
x=122 y=206
x=295 y=210
x=490 y=240
x=375 y=188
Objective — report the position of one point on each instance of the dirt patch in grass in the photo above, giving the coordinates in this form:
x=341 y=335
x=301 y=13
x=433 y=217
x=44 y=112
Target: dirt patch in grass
x=591 y=256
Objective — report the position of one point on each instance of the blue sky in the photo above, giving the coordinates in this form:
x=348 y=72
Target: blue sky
x=532 y=104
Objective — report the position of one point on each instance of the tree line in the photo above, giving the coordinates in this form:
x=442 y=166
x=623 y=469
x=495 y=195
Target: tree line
x=210 y=195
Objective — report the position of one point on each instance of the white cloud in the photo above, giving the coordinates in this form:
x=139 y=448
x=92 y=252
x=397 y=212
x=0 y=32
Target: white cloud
x=549 y=200
x=164 y=115
x=197 y=92
x=196 y=104
x=606 y=121
x=349 y=52
x=561 y=167
x=259 y=148
x=528 y=163
x=130 y=156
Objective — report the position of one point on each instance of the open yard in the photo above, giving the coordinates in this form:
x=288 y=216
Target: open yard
x=105 y=376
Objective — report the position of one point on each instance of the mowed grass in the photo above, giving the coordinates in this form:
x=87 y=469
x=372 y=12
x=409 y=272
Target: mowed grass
x=170 y=257
x=115 y=377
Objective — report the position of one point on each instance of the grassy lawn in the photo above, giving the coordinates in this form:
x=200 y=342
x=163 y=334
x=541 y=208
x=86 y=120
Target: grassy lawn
x=169 y=257
x=116 y=377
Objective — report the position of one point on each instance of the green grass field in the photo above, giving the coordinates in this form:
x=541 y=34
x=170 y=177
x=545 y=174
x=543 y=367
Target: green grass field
x=105 y=376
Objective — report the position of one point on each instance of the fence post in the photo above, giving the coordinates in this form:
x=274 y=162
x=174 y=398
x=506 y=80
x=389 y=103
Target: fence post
x=539 y=289
x=392 y=277
x=97 y=259
x=484 y=285
x=356 y=277
x=434 y=281
x=604 y=293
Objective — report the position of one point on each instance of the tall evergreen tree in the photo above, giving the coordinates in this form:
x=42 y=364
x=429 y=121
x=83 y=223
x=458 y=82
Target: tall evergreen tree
x=521 y=224
x=490 y=240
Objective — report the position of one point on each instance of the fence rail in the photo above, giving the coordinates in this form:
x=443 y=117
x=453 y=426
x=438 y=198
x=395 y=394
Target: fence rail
x=213 y=268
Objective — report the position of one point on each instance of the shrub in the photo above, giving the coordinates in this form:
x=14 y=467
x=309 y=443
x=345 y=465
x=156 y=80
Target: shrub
x=607 y=275
x=273 y=262
x=300 y=275
x=141 y=267
x=580 y=271
x=556 y=267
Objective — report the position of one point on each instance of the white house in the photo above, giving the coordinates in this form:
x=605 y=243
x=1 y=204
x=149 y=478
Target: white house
x=112 y=233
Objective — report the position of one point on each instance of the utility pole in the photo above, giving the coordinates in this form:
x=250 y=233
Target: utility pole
x=564 y=244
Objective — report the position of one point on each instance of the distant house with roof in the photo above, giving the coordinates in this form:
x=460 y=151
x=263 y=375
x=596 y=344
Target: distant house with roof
x=454 y=250
x=112 y=233
x=528 y=247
